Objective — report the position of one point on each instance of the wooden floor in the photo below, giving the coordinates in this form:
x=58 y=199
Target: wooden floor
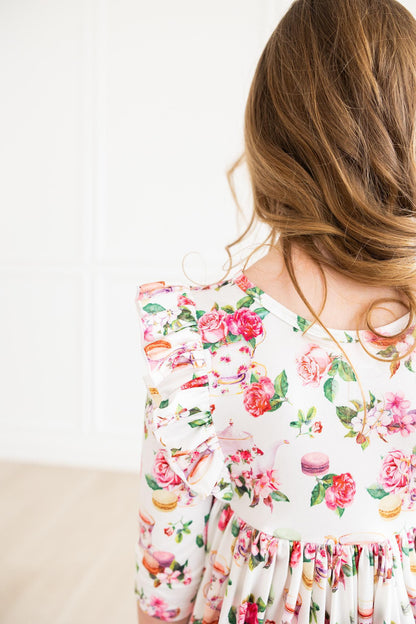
x=67 y=538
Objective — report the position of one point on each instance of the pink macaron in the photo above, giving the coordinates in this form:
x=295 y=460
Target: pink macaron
x=314 y=463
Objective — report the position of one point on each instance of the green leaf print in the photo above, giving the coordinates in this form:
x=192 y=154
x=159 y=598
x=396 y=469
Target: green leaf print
x=199 y=313
x=235 y=529
x=277 y=495
x=153 y=308
x=280 y=384
x=228 y=308
x=186 y=315
x=311 y=413
x=275 y=403
x=199 y=541
x=151 y=482
x=302 y=323
x=376 y=491
x=164 y=403
x=351 y=434
x=346 y=372
x=408 y=364
x=254 y=378
x=232 y=616
x=318 y=494
x=255 y=290
x=200 y=422
x=245 y=302
x=340 y=510
x=327 y=479
x=333 y=368
x=260 y=604
x=330 y=388
x=262 y=312
x=254 y=561
x=312 y=611
x=345 y=414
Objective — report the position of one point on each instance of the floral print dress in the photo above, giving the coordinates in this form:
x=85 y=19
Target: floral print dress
x=267 y=494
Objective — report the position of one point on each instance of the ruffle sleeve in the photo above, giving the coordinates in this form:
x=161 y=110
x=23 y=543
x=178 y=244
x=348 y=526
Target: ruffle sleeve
x=176 y=368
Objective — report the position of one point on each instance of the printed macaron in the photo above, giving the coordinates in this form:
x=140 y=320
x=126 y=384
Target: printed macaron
x=164 y=558
x=314 y=463
x=165 y=500
x=390 y=506
x=150 y=563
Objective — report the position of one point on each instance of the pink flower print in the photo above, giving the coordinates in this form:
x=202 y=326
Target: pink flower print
x=254 y=545
x=403 y=345
x=313 y=364
x=265 y=483
x=168 y=576
x=245 y=455
x=396 y=403
x=378 y=419
x=159 y=607
x=257 y=396
x=168 y=531
x=247 y=613
x=310 y=550
x=183 y=301
x=403 y=420
x=225 y=516
x=163 y=473
x=245 y=349
x=317 y=427
x=213 y=326
x=246 y=323
x=295 y=554
x=394 y=472
x=341 y=492
x=408 y=423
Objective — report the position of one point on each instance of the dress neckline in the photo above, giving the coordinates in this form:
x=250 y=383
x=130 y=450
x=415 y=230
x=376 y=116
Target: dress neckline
x=299 y=323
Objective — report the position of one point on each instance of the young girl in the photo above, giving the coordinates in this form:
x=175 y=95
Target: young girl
x=278 y=465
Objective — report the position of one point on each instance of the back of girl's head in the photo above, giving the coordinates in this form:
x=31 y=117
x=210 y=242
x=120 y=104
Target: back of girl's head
x=330 y=139
x=330 y=134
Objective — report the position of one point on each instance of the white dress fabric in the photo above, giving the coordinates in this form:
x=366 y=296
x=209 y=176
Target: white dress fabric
x=266 y=495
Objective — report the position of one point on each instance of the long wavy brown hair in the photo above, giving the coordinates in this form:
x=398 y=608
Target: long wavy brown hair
x=329 y=143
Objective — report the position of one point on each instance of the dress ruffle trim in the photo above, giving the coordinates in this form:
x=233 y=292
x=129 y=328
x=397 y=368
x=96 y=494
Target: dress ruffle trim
x=176 y=374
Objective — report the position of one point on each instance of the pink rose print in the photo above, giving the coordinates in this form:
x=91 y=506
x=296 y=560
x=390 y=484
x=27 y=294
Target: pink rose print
x=317 y=427
x=225 y=516
x=296 y=554
x=257 y=396
x=341 y=492
x=247 y=613
x=245 y=322
x=183 y=301
x=313 y=364
x=163 y=473
x=394 y=473
x=336 y=490
x=213 y=326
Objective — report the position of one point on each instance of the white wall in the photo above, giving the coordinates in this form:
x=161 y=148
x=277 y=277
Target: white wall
x=118 y=121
